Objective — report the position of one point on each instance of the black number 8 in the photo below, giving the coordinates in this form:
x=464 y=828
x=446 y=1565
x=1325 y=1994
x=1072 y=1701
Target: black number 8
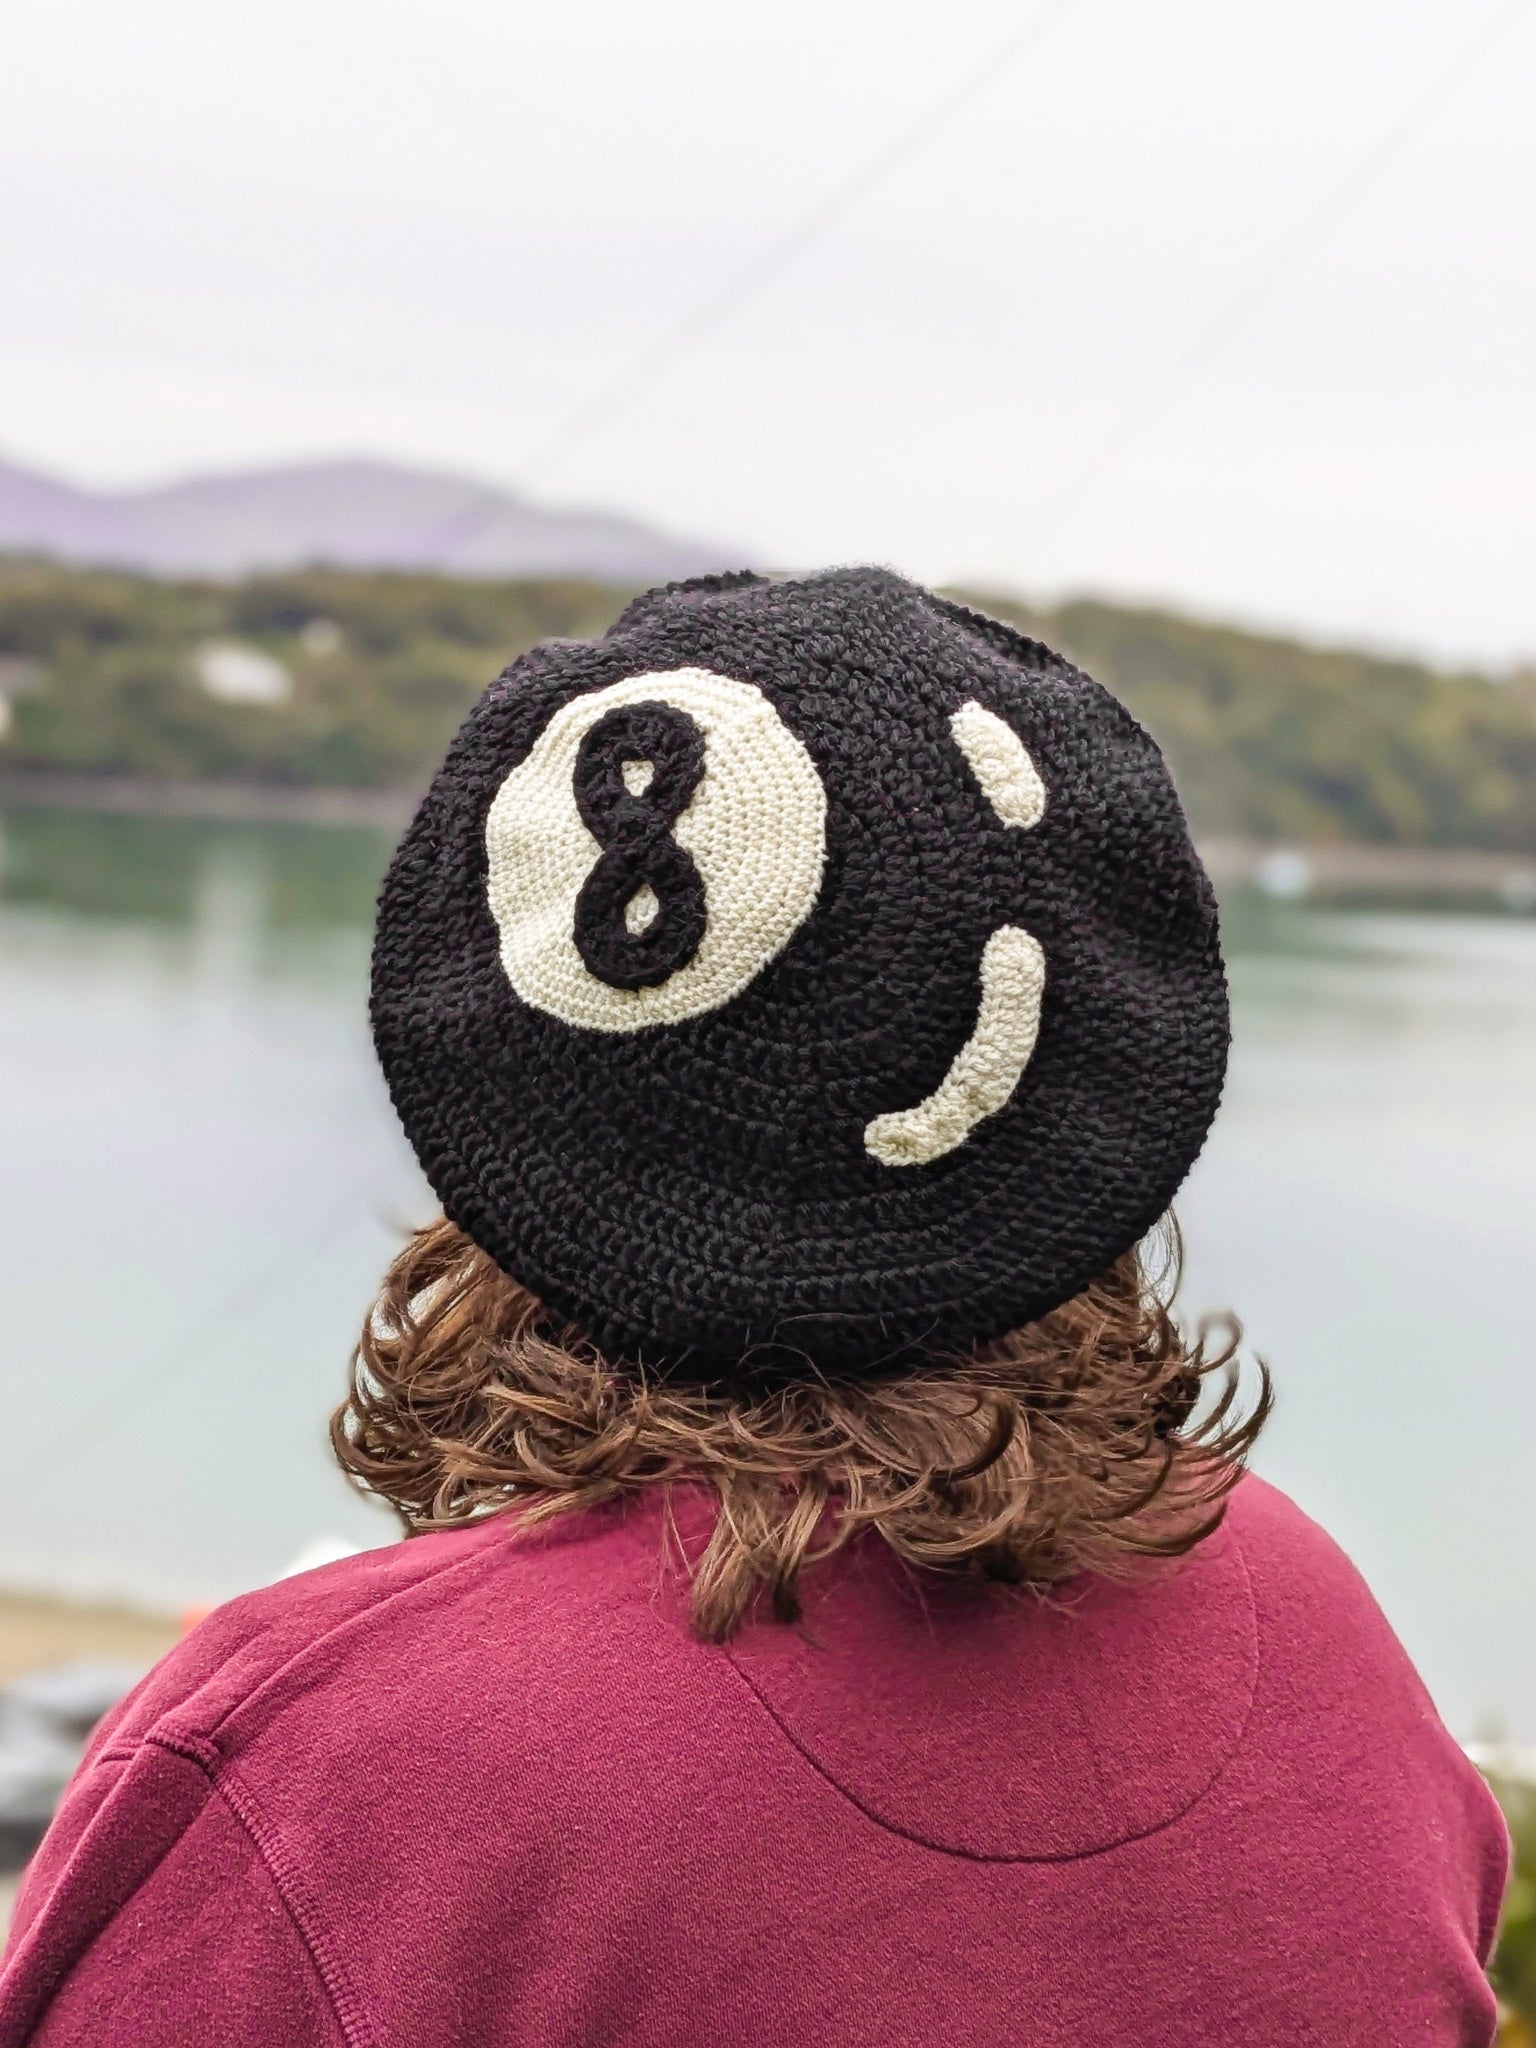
x=632 y=820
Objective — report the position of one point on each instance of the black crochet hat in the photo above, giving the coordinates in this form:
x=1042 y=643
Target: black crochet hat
x=804 y=970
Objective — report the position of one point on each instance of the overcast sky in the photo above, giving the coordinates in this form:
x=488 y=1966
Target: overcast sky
x=237 y=235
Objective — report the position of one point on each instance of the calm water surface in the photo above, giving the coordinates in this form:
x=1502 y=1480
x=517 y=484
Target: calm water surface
x=200 y=1181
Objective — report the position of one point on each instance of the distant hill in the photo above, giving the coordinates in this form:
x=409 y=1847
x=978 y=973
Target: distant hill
x=332 y=677
x=363 y=515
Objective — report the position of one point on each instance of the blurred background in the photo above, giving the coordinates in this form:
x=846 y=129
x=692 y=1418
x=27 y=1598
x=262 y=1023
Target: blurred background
x=345 y=352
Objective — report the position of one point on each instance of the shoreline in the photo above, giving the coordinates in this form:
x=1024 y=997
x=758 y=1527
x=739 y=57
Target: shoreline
x=41 y=1629
x=137 y=796
x=1283 y=869
x=1297 y=870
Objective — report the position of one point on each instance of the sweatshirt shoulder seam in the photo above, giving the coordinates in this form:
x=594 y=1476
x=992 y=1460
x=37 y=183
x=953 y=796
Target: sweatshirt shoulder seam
x=234 y=1797
x=358 y=1616
x=180 y=1727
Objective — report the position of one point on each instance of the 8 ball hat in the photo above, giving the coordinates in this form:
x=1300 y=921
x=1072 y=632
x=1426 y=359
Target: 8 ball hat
x=804 y=972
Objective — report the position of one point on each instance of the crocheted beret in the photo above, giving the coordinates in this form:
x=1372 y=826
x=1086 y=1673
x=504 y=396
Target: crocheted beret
x=803 y=972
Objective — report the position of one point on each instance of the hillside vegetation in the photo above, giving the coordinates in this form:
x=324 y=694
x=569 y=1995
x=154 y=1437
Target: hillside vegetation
x=369 y=674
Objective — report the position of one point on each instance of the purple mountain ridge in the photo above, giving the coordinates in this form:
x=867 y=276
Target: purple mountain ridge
x=349 y=514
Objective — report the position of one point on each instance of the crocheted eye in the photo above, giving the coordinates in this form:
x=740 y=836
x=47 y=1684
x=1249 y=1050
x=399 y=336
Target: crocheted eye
x=661 y=843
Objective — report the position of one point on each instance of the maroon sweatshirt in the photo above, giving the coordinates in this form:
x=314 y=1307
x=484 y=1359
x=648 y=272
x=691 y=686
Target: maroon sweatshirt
x=488 y=1791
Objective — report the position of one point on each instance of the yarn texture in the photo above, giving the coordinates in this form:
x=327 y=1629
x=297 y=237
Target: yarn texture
x=1000 y=762
x=986 y=1070
x=806 y=970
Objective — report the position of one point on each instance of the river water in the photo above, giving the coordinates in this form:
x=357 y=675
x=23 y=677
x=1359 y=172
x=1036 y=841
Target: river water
x=200 y=1181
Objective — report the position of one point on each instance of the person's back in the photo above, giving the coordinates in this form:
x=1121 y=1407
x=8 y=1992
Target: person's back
x=481 y=1791
x=836 y=1612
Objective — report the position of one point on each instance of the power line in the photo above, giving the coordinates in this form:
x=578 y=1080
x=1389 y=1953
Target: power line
x=1308 y=233
x=652 y=362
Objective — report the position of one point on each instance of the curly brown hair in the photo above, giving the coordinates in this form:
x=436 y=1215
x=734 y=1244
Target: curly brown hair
x=1079 y=1443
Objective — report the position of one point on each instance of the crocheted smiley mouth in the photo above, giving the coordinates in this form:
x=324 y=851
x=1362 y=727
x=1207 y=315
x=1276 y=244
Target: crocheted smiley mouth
x=665 y=838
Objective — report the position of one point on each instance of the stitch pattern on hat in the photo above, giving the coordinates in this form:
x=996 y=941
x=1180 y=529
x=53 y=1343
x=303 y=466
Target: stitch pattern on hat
x=753 y=831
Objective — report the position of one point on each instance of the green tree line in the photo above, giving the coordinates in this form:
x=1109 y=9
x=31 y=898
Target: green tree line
x=1267 y=736
x=1514 y=1962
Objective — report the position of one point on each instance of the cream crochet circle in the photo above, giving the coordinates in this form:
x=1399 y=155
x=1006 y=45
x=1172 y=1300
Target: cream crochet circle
x=756 y=827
